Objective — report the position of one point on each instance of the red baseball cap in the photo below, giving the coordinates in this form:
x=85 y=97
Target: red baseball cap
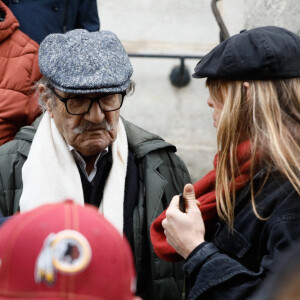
x=64 y=251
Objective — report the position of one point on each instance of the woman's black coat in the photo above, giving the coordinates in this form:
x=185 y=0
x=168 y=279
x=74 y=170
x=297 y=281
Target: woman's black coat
x=233 y=265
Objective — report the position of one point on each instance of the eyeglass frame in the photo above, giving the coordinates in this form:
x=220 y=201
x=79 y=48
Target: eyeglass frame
x=95 y=99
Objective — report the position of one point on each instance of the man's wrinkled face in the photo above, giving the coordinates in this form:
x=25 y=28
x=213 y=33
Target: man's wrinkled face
x=90 y=133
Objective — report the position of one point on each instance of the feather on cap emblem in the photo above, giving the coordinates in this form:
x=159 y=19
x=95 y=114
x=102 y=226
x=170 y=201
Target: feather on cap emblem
x=67 y=252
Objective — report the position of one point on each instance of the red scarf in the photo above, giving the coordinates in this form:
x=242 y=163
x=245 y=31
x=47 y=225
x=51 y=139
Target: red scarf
x=206 y=195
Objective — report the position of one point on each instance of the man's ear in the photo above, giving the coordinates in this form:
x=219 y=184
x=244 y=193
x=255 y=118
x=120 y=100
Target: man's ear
x=48 y=101
x=246 y=86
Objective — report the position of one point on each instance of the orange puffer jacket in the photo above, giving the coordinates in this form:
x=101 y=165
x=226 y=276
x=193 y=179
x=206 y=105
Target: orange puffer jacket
x=18 y=71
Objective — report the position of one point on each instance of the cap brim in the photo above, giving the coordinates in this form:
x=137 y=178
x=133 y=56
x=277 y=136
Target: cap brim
x=195 y=75
x=40 y=296
x=108 y=90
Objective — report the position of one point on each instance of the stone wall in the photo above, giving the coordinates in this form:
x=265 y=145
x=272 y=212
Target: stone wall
x=283 y=13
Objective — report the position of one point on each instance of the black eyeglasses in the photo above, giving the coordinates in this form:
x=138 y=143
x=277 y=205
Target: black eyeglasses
x=80 y=105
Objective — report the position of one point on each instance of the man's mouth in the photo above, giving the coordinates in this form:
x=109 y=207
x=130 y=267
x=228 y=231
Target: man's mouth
x=95 y=129
x=91 y=127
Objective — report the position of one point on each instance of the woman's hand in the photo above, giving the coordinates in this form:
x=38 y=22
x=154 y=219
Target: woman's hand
x=184 y=231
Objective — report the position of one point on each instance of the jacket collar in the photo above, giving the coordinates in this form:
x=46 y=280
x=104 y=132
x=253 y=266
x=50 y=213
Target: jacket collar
x=27 y=133
x=142 y=142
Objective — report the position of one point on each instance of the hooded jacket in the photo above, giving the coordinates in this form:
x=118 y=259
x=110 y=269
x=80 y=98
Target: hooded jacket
x=161 y=173
x=19 y=70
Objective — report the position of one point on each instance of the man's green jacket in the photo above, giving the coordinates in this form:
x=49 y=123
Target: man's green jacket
x=162 y=174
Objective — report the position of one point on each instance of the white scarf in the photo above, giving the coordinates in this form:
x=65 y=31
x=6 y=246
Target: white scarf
x=50 y=174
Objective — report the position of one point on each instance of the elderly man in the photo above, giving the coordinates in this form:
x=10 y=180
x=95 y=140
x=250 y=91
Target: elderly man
x=83 y=150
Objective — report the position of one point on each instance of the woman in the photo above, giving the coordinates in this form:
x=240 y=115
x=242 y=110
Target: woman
x=250 y=202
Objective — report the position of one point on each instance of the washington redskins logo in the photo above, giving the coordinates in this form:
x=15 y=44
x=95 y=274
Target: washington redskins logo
x=67 y=252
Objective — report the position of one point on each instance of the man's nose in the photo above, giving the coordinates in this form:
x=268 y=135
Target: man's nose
x=95 y=114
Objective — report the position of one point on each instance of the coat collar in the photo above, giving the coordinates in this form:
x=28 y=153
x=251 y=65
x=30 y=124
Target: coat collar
x=142 y=142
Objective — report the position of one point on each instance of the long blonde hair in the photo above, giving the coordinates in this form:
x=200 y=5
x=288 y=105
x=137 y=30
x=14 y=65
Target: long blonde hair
x=269 y=116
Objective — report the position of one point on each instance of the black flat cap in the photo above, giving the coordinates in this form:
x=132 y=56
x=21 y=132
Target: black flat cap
x=261 y=53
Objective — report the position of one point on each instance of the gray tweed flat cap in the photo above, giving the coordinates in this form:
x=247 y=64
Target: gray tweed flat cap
x=85 y=62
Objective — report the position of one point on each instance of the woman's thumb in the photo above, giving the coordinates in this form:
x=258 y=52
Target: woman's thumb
x=189 y=192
